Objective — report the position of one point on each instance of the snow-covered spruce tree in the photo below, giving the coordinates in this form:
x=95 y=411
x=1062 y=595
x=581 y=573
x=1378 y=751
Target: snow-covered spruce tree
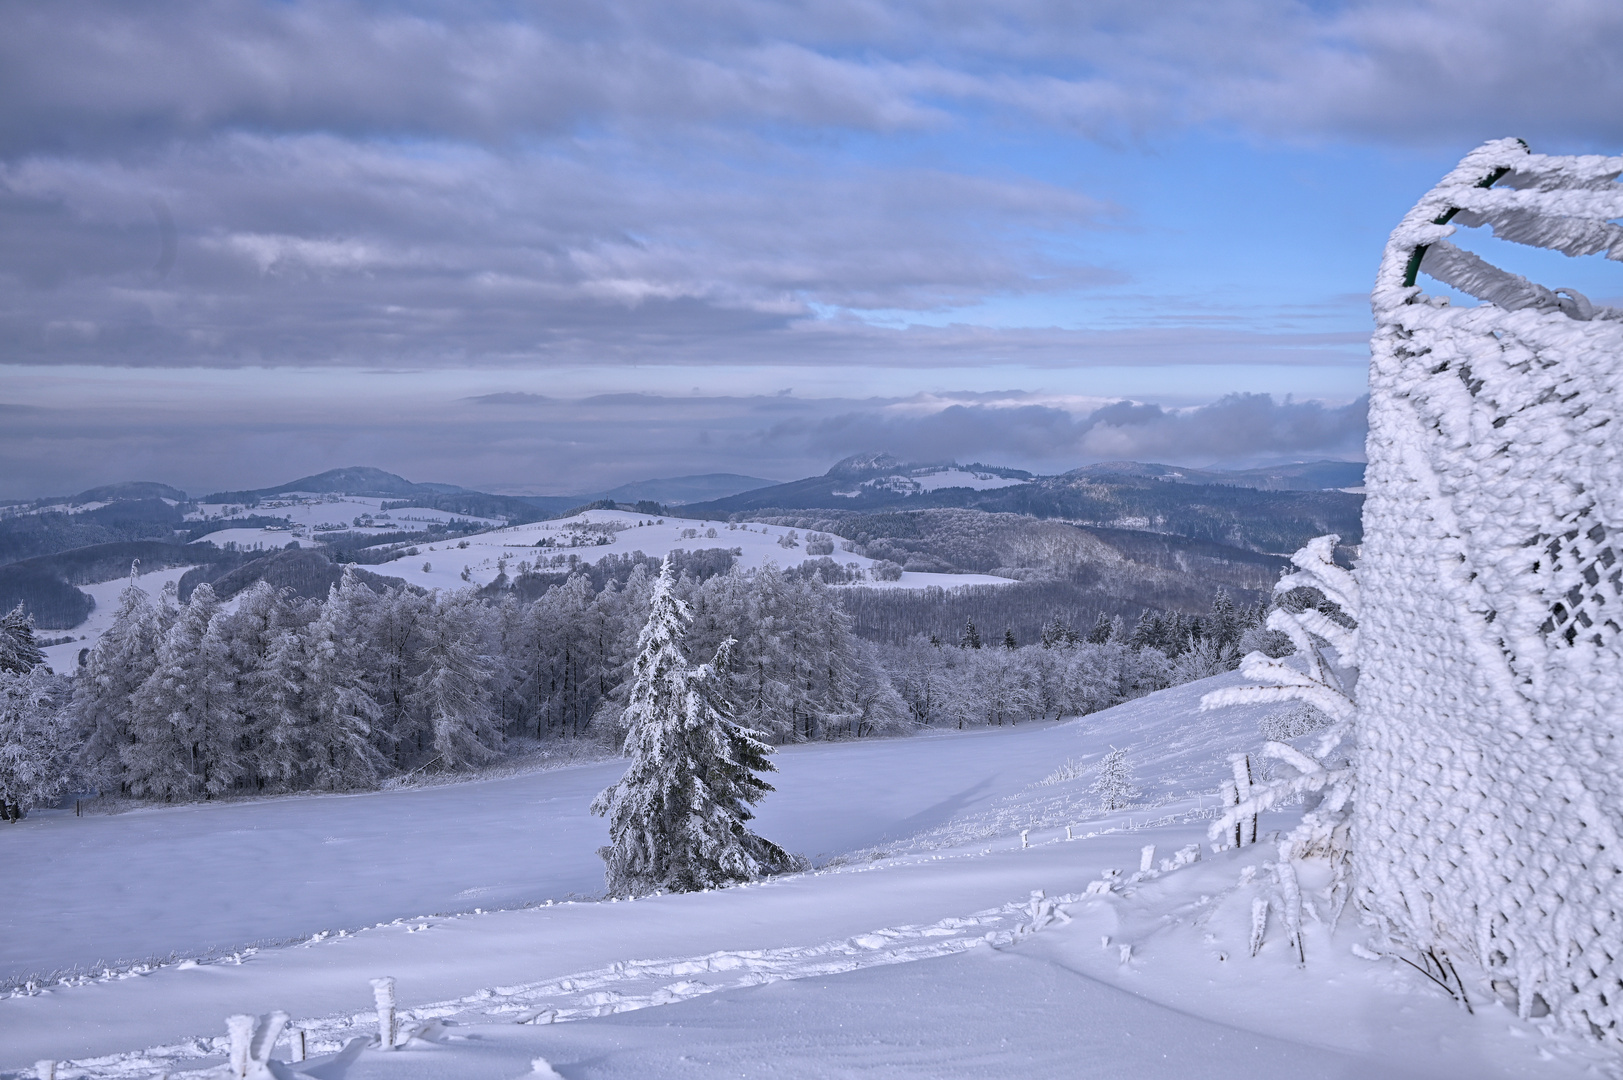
x=37 y=743
x=102 y=692
x=19 y=652
x=1114 y=783
x=185 y=719
x=331 y=712
x=450 y=690
x=678 y=817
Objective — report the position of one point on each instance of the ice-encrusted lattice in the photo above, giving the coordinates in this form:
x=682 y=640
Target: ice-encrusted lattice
x=1490 y=776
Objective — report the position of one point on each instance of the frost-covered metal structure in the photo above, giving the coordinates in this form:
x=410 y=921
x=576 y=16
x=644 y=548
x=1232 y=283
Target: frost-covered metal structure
x=1490 y=698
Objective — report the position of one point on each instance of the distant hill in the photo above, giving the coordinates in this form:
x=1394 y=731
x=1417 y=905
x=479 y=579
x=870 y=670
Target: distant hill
x=129 y=490
x=355 y=480
x=1300 y=476
x=1263 y=510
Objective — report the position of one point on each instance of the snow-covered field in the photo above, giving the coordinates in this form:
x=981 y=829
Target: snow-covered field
x=919 y=953
x=310 y=514
x=596 y=533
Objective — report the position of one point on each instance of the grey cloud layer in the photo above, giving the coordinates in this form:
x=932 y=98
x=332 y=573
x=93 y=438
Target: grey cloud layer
x=438 y=183
x=77 y=74
x=528 y=443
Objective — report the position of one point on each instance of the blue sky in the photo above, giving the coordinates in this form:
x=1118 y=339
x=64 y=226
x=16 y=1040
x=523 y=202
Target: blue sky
x=242 y=241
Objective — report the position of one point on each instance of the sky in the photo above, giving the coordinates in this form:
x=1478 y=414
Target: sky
x=553 y=247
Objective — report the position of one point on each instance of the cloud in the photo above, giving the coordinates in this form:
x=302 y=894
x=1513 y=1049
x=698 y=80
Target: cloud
x=1238 y=429
x=171 y=431
x=330 y=182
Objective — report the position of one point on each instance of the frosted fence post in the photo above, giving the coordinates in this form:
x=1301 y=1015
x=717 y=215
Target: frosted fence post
x=1068 y=835
x=239 y=1030
x=1146 y=858
x=1243 y=788
x=45 y=1070
x=296 y=1047
x=1023 y=834
x=1229 y=795
x=383 y=997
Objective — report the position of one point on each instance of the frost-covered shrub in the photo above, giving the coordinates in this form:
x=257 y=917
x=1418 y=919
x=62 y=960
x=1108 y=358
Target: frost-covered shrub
x=1270 y=643
x=1292 y=722
x=1073 y=769
x=885 y=571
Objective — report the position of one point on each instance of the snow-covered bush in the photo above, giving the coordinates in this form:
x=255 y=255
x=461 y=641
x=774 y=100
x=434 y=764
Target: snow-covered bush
x=885 y=570
x=1292 y=722
x=677 y=818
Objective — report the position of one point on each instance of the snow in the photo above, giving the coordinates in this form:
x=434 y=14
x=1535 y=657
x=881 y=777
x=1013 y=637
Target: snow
x=64 y=659
x=925 y=955
x=923 y=482
x=308 y=513
x=594 y=534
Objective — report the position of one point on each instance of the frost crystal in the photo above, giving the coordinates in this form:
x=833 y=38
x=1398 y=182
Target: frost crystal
x=1490 y=781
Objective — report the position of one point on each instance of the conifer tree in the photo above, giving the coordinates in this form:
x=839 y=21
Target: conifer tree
x=335 y=710
x=451 y=690
x=183 y=720
x=102 y=693
x=677 y=818
x=1114 y=783
x=1008 y=639
x=36 y=740
x=19 y=652
x=971 y=637
x=1103 y=627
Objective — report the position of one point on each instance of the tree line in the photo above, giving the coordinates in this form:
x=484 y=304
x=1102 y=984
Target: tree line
x=200 y=699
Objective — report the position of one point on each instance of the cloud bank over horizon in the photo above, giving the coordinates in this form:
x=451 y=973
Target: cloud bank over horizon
x=525 y=443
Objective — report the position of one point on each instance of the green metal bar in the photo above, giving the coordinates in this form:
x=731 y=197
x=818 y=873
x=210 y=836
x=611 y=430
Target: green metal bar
x=1412 y=270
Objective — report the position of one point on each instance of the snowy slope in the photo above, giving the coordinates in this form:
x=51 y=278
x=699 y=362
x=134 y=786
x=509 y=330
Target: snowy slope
x=596 y=533
x=908 y=960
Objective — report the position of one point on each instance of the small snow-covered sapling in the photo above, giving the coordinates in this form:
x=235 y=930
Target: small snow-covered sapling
x=1146 y=858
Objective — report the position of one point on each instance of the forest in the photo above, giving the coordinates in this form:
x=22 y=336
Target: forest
x=200 y=698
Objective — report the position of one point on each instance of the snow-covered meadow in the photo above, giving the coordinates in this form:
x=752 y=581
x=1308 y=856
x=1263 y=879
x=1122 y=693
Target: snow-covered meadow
x=309 y=514
x=593 y=534
x=915 y=948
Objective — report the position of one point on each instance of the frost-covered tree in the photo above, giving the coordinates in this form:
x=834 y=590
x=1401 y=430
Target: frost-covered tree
x=971 y=637
x=19 y=652
x=450 y=688
x=37 y=742
x=331 y=714
x=117 y=666
x=678 y=817
x=185 y=719
x=1114 y=782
